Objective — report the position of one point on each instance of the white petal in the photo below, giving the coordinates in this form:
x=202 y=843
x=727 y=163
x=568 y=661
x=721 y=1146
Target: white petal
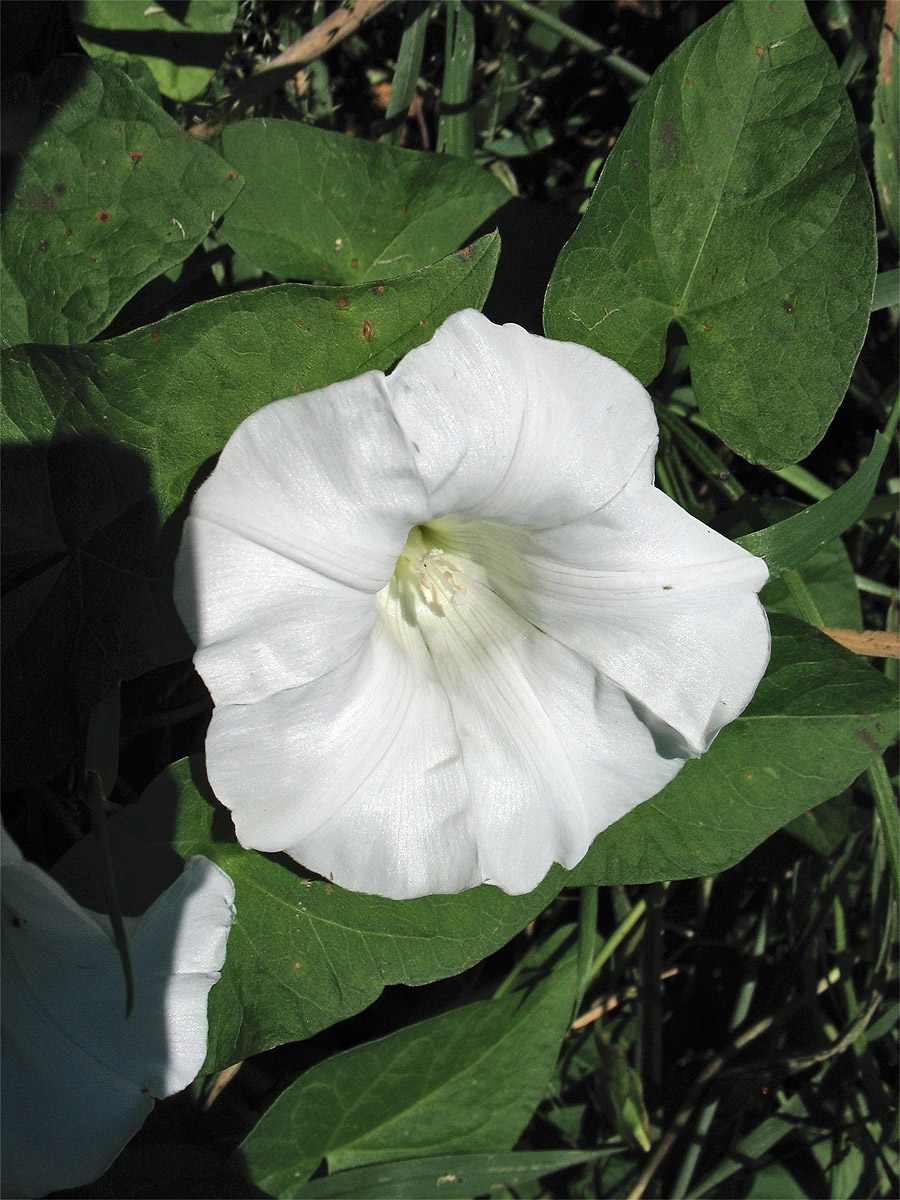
x=656 y=601
x=267 y=623
x=78 y=1077
x=325 y=480
x=370 y=730
x=552 y=753
x=602 y=636
x=513 y=428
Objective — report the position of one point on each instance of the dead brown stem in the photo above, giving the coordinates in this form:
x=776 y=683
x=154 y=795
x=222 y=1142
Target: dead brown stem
x=290 y=62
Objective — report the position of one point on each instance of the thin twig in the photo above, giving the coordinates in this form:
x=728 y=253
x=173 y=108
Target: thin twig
x=289 y=62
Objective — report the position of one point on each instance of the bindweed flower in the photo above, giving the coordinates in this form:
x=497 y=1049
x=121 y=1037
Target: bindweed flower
x=79 y=1077
x=451 y=629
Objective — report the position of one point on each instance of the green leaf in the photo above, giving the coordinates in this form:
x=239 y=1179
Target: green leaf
x=325 y=207
x=886 y=124
x=465 y=1081
x=620 y=1090
x=818 y=718
x=448 y=1177
x=789 y=543
x=887 y=290
x=181 y=44
x=102 y=442
x=406 y=75
x=825 y=828
x=109 y=195
x=455 y=132
x=829 y=577
x=304 y=954
x=735 y=203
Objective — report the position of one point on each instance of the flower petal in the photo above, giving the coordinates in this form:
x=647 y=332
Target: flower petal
x=553 y=754
x=498 y=711
x=657 y=602
x=348 y=755
x=78 y=1076
x=326 y=480
x=266 y=623
x=517 y=429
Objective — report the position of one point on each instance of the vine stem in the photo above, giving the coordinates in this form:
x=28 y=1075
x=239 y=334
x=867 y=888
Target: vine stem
x=886 y=807
x=587 y=936
x=615 y=62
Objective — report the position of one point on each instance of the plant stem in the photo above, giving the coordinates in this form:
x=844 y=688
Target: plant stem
x=886 y=806
x=611 y=944
x=587 y=936
x=614 y=61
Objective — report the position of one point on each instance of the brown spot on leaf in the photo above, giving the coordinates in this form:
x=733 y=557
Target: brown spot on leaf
x=137 y=155
x=354 y=263
x=669 y=142
x=154 y=336
x=36 y=200
x=759 y=51
x=688 y=81
x=117 y=128
x=59 y=189
x=465 y=252
x=103 y=216
x=367 y=330
x=787 y=306
x=68 y=233
x=232 y=175
x=868 y=740
x=342 y=303
x=378 y=289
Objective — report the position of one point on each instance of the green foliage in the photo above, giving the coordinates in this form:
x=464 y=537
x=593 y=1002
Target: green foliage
x=182 y=45
x=818 y=718
x=739 y=1015
x=736 y=204
x=107 y=198
x=323 y=207
x=104 y=442
x=466 y=1082
x=450 y=1175
x=886 y=124
x=791 y=543
x=324 y=953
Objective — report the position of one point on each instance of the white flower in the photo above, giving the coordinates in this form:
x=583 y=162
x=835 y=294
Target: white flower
x=451 y=629
x=79 y=1077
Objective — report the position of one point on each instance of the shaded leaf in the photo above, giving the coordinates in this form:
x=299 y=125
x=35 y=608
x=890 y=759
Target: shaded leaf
x=181 y=44
x=465 y=1081
x=101 y=444
x=818 y=718
x=735 y=203
x=454 y=1176
x=886 y=121
x=303 y=954
x=325 y=207
x=106 y=198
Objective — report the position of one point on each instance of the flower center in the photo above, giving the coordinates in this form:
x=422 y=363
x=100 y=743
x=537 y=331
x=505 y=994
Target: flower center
x=425 y=575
